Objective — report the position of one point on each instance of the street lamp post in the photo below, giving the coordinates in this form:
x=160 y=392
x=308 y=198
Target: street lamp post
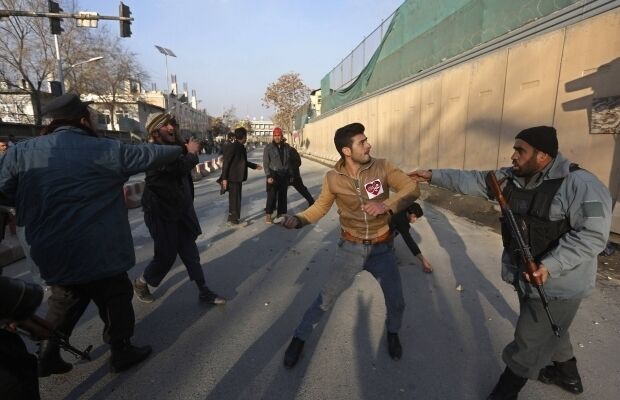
x=72 y=66
x=85 y=61
x=166 y=52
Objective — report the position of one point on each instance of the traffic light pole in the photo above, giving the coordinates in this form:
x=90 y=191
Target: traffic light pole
x=61 y=77
x=125 y=20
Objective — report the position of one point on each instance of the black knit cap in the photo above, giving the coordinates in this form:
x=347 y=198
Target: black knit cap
x=543 y=138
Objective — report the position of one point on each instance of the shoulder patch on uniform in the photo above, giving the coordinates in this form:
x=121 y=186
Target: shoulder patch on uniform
x=592 y=209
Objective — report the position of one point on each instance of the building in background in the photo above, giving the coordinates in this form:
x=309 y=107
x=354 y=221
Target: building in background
x=261 y=127
x=315 y=103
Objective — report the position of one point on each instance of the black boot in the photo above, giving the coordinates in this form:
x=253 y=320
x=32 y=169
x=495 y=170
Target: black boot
x=564 y=374
x=206 y=295
x=293 y=351
x=394 y=348
x=508 y=386
x=50 y=362
x=126 y=355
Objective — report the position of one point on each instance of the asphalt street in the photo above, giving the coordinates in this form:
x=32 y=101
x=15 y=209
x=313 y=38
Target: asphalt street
x=457 y=319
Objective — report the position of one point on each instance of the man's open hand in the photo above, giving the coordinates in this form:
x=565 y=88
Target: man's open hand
x=290 y=222
x=421 y=175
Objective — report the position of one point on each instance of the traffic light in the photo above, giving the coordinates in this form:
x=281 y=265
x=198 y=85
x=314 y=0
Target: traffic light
x=55 y=21
x=124 y=12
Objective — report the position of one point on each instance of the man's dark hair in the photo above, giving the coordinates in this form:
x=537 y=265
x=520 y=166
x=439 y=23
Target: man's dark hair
x=241 y=133
x=415 y=209
x=75 y=122
x=344 y=136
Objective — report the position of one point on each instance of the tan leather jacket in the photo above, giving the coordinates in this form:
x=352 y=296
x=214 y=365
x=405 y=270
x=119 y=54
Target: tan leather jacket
x=373 y=183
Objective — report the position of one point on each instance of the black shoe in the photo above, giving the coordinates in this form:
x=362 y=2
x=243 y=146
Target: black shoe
x=508 y=386
x=125 y=355
x=50 y=362
x=394 y=348
x=562 y=374
x=293 y=351
x=206 y=295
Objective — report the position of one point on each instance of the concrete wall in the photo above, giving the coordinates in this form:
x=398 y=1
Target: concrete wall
x=467 y=116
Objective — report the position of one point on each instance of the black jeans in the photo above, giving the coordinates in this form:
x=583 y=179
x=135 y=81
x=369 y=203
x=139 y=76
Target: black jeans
x=298 y=184
x=234 y=201
x=18 y=369
x=276 y=191
x=171 y=238
x=111 y=295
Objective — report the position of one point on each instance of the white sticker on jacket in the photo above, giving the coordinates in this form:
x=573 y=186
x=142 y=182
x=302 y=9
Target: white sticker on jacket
x=374 y=188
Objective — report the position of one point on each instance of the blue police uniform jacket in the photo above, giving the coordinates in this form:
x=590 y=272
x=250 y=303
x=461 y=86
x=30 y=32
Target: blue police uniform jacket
x=67 y=188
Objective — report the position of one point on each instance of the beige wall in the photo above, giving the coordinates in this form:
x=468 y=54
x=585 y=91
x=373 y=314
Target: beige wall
x=467 y=116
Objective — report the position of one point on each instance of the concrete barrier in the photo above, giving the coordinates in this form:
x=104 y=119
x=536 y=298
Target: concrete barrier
x=209 y=166
x=196 y=175
x=133 y=194
x=202 y=169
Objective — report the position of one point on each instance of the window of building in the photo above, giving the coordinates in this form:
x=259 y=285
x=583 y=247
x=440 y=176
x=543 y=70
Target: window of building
x=103 y=119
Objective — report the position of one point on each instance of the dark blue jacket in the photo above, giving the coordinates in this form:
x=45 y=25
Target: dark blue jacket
x=68 y=190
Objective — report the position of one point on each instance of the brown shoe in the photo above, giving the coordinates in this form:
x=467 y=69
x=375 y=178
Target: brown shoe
x=268 y=219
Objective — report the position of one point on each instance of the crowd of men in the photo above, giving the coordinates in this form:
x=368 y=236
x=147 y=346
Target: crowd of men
x=281 y=164
x=67 y=188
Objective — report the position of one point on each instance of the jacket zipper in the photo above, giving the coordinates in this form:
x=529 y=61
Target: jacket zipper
x=359 y=193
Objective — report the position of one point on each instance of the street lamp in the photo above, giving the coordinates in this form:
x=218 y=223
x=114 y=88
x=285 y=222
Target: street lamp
x=75 y=65
x=166 y=52
x=85 y=61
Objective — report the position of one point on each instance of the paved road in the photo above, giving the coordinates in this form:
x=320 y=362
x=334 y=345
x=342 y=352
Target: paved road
x=452 y=339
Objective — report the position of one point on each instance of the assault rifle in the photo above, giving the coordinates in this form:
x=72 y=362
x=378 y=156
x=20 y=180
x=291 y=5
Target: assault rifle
x=36 y=328
x=524 y=249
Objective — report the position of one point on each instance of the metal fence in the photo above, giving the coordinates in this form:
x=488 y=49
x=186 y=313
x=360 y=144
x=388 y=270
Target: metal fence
x=351 y=66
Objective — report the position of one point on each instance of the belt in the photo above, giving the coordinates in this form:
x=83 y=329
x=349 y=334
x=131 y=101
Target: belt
x=387 y=236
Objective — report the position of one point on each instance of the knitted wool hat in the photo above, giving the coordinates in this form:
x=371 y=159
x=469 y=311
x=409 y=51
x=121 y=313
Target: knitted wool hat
x=543 y=138
x=156 y=120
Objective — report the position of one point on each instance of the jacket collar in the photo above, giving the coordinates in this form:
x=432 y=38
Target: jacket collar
x=342 y=170
x=558 y=168
x=71 y=129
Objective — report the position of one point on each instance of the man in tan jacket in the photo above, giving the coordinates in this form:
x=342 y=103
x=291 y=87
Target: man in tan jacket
x=360 y=186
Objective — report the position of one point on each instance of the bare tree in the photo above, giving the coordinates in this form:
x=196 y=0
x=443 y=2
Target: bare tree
x=229 y=117
x=219 y=128
x=245 y=123
x=26 y=51
x=27 y=59
x=286 y=95
x=113 y=80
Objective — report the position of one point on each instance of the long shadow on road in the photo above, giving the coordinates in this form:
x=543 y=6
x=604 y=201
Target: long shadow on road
x=268 y=347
